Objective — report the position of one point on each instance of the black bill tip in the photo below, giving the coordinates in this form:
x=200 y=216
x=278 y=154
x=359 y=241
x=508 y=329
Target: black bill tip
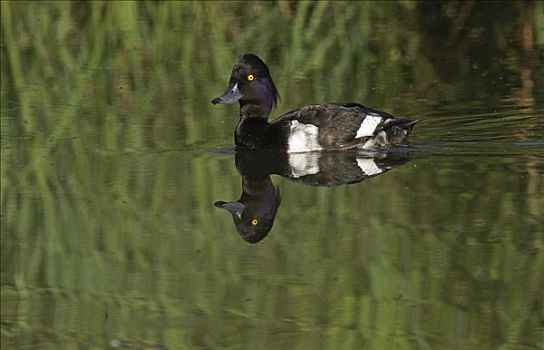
x=230 y=96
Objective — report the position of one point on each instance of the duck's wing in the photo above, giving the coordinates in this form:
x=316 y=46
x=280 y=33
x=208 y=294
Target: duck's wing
x=340 y=126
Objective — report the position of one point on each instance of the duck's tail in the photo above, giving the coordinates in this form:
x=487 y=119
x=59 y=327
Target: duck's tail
x=397 y=130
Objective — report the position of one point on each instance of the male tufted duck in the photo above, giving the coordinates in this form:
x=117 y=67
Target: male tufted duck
x=255 y=211
x=314 y=127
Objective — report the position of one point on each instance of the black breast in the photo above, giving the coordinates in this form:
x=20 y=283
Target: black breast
x=256 y=133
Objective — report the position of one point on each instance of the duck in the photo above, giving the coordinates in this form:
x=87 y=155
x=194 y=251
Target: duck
x=255 y=211
x=315 y=127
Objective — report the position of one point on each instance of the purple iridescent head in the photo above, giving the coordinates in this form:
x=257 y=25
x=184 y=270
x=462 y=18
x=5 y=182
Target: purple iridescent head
x=251 y=84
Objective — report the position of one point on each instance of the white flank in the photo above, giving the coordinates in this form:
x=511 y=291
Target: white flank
x=303 y=164
x=368 y=167
x=378 y=140
x=368 y=126
x=303 y=138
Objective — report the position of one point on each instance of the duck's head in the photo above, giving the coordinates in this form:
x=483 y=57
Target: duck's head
x=252 y=86
x=254 y=213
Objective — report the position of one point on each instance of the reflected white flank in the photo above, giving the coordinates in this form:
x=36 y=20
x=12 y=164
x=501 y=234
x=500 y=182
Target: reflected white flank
x=368 y=167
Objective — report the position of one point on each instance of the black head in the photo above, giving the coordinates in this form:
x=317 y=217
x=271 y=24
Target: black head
x=255 y=212
x=250 y=83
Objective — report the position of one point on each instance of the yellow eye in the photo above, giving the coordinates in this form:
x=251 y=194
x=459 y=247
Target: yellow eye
x=254 y=222
x=250 y=77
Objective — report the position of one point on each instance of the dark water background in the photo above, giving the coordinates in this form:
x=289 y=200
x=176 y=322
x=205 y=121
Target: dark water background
x=112 y=158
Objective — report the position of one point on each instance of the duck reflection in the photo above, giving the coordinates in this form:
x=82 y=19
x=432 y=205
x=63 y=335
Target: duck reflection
x=254 y=213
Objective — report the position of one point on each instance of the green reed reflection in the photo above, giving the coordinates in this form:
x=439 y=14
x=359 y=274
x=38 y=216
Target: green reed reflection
x=108 y=230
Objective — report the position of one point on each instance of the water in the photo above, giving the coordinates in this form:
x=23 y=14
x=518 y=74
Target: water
x=114 y=163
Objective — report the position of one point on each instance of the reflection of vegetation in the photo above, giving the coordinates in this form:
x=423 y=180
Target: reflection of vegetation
x=94 y=221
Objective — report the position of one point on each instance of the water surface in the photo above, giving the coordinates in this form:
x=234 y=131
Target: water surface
x=113 y=158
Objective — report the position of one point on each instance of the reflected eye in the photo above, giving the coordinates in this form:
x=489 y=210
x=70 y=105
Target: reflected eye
x=250 y=77
x=254 y=222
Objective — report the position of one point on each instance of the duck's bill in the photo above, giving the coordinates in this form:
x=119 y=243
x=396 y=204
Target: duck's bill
x=230 y=96
x=235 y=208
